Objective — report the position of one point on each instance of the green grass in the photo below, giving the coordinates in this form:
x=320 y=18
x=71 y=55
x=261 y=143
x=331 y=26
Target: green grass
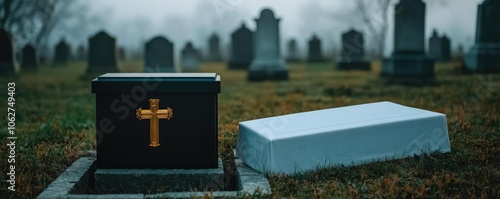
x=55 y=120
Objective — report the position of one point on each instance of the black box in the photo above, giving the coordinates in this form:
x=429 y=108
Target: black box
x=187 y=120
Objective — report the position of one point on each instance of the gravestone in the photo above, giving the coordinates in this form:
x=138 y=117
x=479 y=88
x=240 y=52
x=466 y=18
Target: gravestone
x=293 y=54
x=241 y=48
x=190 y=58
x=353 y=52
x=62 y=53
x=121 y=53
x=439 y=47
x=102 y=53
x=159 y=55
x=214 y=48
x=8 y=62
x=29 y=57
x=81 y=54
x=409 y=60
x=435 y=45
x=445 y=48
x=267 y=63
x=315 y=53
x=484 y=56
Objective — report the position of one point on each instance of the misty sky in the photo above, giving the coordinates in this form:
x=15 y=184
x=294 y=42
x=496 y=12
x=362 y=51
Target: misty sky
x=133 y=22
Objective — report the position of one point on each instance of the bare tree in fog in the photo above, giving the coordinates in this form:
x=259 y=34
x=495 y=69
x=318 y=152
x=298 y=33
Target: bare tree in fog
x=326 y=22
x=375 y=17
x=32 y=20
x=219 y=17
x=78 y=25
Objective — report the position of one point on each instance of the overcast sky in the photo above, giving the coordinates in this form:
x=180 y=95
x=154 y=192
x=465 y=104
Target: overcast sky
x=133 y=22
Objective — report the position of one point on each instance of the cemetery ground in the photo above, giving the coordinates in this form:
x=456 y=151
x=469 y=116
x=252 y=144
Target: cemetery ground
x=55 y=114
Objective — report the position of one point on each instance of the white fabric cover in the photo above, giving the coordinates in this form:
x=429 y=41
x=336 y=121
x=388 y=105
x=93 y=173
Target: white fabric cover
x=347 y=136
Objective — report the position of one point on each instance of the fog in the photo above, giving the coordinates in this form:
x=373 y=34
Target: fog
x=134 y=22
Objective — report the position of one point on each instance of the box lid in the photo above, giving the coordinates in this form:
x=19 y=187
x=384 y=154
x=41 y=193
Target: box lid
x=157 y=82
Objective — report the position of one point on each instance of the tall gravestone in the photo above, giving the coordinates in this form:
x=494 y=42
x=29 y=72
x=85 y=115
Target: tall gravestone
x=8 y=62
x=353 y=52
x=409 y=59
x=315 y=53
x=267 y=63
x=81 y=54
x=484 y=56
x=29 y=57
x=190 y=58
x=293 y=52
x=102 y=53
x=159 y=55
x=214 y=48
x=62 y=53
x=241 y=48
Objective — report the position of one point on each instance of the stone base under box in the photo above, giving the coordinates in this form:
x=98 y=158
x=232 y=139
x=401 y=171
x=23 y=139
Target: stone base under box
x=262 y=75
x=159 y=180
x=78 y=181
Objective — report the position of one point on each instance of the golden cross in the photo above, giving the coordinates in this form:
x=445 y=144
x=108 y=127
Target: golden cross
x=154 y=114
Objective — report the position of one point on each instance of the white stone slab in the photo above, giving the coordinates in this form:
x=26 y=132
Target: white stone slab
x=348 y=136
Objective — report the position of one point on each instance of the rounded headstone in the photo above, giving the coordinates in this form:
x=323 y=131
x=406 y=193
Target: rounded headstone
x=267 y=63
x=159 y=55
x=241 y=48
x=102 y=53
x=29 y=57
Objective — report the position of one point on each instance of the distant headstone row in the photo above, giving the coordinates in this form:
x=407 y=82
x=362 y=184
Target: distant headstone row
x=259 y=51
